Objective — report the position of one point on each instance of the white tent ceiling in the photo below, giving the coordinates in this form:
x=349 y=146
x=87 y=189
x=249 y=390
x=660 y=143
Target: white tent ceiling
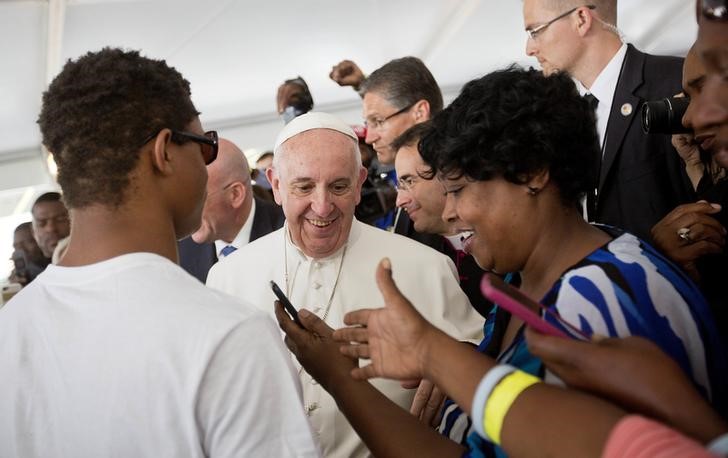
x=236 y=52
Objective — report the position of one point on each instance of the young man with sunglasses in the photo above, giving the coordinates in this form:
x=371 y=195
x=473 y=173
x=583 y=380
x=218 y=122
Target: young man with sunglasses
x=640 y=177
x=116 y=350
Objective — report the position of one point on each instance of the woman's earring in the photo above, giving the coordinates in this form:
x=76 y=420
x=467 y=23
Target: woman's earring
x=532 y=190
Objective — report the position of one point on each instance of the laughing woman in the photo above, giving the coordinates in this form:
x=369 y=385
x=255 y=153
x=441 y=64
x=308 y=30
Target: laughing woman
x=516 y=153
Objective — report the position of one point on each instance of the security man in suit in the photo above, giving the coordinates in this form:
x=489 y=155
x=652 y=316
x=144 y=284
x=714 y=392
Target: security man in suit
x=231 y=217
x=640 y=176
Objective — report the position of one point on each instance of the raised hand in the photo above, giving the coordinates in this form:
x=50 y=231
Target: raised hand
x=347 y=73
x=394 y=337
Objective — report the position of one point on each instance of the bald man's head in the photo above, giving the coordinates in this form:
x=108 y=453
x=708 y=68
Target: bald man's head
x=229 y=195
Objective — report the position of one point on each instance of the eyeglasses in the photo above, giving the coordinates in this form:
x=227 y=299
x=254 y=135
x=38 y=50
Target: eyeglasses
x=715 y=10
x=406 y=183
x=378 y=123
x=208 y=142
x=533 y=32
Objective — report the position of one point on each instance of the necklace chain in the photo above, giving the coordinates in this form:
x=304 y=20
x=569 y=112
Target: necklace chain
x=289 y=285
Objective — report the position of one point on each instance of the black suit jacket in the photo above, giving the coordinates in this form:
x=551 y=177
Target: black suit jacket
x=641 y=177
x=198 y=258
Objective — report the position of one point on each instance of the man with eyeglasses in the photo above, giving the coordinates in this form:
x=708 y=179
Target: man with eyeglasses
x=395 y=97
x=640 y=176
x=117 y=351
x=232 y=215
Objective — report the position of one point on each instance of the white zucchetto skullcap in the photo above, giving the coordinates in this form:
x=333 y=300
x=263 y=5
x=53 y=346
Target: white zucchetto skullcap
x=313 y=120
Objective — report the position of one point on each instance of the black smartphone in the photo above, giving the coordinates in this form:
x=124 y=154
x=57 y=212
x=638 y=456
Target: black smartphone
x=286 y=303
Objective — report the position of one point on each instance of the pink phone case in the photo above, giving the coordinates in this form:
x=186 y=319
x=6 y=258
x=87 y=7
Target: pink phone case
x=513 y=300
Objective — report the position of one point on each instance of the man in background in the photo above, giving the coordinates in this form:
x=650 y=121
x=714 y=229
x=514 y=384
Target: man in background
x=401 y=93
x=232 y=216
x=421 y=196
x=28 y=259
x=50 y=222
x=640 y=176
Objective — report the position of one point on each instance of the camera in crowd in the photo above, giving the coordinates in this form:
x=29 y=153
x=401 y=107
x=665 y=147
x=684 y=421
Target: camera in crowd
x=665 y=116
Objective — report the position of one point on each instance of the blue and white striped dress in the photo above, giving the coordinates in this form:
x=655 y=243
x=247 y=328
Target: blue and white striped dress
x=624 y=288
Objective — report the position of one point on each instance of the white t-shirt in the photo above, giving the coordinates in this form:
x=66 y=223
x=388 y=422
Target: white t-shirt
x=134 y=357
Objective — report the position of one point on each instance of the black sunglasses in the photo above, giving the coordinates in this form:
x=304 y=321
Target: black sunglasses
x=208 y=142
x=715 y=10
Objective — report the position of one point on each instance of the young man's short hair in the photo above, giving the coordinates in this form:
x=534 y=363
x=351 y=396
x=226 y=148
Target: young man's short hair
x=98 y=112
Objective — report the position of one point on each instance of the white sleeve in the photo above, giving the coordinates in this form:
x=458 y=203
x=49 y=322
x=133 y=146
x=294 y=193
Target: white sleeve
x=249 y=401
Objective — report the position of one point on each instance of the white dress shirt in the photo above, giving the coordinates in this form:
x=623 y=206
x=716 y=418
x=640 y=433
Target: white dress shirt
x=603 y=89
x=243 y=237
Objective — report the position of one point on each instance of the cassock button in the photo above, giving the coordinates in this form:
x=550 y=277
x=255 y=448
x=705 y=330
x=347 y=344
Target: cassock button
x=316 y=285
x=311 y=407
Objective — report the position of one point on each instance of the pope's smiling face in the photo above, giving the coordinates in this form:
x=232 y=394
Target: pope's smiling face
x=317 y=179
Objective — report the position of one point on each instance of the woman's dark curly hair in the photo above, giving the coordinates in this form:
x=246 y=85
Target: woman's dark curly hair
x=96 y=115
x=514 y=123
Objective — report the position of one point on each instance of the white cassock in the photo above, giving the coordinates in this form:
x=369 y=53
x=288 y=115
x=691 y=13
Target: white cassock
x=334 y=286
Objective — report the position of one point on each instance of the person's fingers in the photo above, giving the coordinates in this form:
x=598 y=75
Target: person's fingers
x=357 y=334
x=355 y=351
x=708 y=229
x=287 y=325
x=281 y=316
x=424 y=390
x=684 y=210
x=433 y=408
x=385 y=283
x=409 y=384
x=556 y=351
x=313 y=323
x=357 y=317
x=291 y=345
x=363 y=373
x=699 y=249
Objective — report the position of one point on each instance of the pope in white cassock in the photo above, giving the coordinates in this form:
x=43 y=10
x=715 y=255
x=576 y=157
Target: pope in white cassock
x=325 y=260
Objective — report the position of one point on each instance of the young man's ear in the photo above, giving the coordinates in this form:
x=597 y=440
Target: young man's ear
x=160 y=155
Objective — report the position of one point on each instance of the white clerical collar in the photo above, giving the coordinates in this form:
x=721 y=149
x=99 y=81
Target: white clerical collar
x=243 y=237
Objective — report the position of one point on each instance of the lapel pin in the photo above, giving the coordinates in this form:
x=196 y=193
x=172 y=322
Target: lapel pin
x=626 y=109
